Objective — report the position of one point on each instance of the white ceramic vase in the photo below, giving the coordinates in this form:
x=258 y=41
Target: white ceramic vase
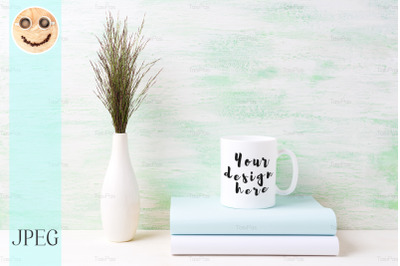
x=120 y=204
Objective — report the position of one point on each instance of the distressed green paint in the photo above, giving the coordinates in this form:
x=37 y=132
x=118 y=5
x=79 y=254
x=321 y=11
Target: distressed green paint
x=270 y=72
x=385 y=165
x=316 y=78
x=320 y=76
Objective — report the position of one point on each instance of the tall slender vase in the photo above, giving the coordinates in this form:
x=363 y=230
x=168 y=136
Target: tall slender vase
x=120 y=204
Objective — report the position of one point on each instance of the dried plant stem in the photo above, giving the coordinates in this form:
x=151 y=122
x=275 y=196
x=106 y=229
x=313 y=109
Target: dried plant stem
x=117 y=73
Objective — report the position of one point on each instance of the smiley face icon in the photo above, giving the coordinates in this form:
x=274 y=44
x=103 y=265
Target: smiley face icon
x=35 y=30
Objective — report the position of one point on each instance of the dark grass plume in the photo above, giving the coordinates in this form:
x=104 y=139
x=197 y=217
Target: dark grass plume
x=120 y=79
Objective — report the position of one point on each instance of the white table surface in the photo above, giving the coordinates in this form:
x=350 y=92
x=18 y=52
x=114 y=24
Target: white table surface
x=357 y=247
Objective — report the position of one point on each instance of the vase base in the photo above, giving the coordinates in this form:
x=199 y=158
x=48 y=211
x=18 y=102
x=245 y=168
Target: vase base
x=120 y=240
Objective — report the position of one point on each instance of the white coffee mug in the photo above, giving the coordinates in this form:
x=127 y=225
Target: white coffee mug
x=248 y=171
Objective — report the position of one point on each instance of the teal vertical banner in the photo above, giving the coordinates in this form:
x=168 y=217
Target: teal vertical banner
x=35 y=138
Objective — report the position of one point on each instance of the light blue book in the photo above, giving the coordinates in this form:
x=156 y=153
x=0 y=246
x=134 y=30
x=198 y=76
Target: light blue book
x=292 y=215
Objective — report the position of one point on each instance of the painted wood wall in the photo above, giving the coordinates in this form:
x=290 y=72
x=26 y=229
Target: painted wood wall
x=321 y=76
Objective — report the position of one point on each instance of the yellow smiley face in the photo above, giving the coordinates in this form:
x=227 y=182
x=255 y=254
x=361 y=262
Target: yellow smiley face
x=35 y=30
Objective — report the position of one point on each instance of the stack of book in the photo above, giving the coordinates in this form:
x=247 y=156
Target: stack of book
x=296 y=225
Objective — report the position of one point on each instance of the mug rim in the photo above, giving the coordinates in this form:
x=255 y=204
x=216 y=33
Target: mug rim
x=248 y=138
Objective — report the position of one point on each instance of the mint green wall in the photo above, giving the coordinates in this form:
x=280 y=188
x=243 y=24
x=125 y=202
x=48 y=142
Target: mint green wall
x=321 y=76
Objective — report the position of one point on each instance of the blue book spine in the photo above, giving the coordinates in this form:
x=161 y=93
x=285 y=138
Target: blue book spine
x=207 y=216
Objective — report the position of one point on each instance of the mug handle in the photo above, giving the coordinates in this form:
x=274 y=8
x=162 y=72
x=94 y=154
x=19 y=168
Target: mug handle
x=295 y=170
